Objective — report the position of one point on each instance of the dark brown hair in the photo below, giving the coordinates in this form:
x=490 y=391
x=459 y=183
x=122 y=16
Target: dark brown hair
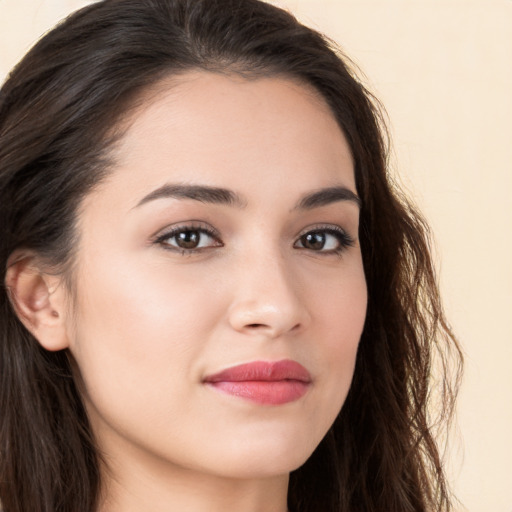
x=58 y=113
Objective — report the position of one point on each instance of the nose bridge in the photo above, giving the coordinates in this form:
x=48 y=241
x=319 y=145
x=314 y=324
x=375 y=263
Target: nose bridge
x=267 y=298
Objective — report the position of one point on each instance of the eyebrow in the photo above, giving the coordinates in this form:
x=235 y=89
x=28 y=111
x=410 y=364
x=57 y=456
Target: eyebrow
x=216 y=195
x=326 y=196
x=201 y=193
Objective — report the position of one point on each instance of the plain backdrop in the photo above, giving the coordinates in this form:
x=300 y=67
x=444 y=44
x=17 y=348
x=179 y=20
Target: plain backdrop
x=443 y=70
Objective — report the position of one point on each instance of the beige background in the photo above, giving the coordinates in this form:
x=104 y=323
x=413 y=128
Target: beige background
x=443 y=69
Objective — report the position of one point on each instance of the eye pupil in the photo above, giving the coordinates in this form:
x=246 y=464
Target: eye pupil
x=315 y=241
x=188 y=239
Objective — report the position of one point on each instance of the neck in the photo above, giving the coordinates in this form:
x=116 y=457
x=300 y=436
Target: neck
x=174 y=489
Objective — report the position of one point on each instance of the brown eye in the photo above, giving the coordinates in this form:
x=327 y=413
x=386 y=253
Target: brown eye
x=188 y=239
x=314 y=241
x=327 y=240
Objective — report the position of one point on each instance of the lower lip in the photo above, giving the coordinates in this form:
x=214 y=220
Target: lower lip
x=264 y=392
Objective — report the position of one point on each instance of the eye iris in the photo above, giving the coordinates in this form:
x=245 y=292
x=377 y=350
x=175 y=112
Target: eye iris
x=188 y=239
x=315 y=241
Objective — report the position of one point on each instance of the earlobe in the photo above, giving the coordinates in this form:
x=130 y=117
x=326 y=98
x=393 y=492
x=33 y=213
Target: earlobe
x=38 y=299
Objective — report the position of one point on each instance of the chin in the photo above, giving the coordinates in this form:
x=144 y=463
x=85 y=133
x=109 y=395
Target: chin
x=267 y=457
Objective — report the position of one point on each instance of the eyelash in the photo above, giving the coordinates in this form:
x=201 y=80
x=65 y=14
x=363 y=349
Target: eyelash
x=343 y=238
x=198 y=228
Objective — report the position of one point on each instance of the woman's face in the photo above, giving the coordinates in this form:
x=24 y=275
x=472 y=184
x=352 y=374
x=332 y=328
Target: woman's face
x=226 y=235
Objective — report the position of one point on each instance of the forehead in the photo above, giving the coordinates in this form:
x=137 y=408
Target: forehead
x=230 y=131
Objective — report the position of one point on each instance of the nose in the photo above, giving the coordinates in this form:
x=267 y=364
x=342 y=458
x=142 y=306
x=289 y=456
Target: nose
x=268 y=300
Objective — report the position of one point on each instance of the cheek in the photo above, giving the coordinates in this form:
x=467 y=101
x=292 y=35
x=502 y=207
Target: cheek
x=142 y=298
x=139 y=329
x=341 y=313
x=340 y=305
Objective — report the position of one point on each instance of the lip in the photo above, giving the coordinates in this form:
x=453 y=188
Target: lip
x=263 y=382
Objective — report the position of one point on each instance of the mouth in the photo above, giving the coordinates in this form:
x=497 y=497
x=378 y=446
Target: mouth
x=267 y=383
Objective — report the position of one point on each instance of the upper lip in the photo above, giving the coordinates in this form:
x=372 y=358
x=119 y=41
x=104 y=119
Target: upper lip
x=262 y=371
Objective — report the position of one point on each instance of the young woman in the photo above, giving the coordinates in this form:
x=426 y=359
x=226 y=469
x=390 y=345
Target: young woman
x=214 y=297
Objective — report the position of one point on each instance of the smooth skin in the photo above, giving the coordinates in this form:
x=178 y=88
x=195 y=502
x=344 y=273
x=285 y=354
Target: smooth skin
x=175 y=281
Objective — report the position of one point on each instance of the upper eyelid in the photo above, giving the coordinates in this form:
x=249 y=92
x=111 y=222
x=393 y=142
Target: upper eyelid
x=332 y=230
x=202 y=225
x=192 y=225
x=325 y=227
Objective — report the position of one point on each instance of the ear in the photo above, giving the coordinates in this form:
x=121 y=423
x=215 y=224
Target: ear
x=38 y=299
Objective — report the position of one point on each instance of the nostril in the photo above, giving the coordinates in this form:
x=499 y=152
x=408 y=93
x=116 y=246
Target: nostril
x=267 y=327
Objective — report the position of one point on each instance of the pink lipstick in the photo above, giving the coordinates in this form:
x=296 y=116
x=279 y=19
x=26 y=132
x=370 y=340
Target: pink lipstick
x=269 y=383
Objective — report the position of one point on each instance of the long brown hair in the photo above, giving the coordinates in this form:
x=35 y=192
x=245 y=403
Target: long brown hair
x=58 y=111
